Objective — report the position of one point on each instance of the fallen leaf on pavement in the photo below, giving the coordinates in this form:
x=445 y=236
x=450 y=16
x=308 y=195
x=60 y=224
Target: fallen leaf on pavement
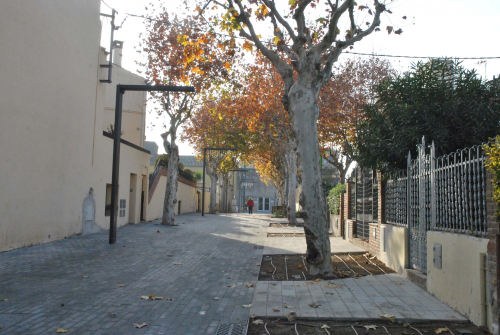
x=289 y=306
x=332 y=285
x=258 y=322
x=392 y=318
x=169 y=255
x=250 y=285
x=154 y=297
x=247 y=306
x=141 y=325
x=331 y=293
x=291 y=316
x=111 y=315
x=406 y=325
x=158 y=231
x=85 y=276
x=121 y=285
x=276 y=309
x=60 y=330
x=5 y=299
x=441 y=330
x=145 y=297
x=296 y=276
x=371 y=327
x=177 y=263
x=317 y=280
x=314 y=305
x=324 y=326
x=232 y=286
x=253 y=316
x=216 y=298
x=299 y=266
x=257 y=264
x=398 y=283
x=254 y=257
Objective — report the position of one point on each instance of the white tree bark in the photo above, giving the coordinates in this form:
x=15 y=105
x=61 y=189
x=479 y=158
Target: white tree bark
x=172 y=178
x=304 y=110
x=212 y=173
x=292 y=185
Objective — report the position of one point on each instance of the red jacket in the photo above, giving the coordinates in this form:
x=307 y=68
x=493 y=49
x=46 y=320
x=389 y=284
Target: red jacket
x=250 y=203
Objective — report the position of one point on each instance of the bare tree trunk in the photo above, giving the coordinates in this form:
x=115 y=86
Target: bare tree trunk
x=224 y=200
x=212 y=173
x=292 y=183
x=172 y=180
x=304 y=111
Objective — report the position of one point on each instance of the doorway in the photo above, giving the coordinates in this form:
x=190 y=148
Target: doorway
x=132 y=197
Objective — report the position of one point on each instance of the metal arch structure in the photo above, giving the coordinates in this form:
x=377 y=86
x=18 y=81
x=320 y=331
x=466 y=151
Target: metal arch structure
x=204 y=167
x=120 y=91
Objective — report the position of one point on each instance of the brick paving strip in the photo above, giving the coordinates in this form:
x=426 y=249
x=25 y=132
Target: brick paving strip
x=73 y=283
x=344 y=299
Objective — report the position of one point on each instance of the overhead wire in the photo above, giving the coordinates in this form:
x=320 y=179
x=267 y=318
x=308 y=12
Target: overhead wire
x=346 y=52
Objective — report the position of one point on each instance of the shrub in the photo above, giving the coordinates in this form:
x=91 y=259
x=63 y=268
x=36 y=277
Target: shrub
x=279 y=214
x=334 y=198
x=493 y=165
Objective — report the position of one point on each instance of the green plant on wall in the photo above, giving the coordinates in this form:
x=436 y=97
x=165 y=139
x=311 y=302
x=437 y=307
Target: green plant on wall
x=492 y=151
x=334 y=198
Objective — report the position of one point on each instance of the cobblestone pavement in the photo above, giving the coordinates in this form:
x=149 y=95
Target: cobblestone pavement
x=47 y=287
x=74 y=283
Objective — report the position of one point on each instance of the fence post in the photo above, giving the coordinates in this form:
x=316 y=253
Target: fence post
x=433 y=186
x=381 y=198
x=408 y=210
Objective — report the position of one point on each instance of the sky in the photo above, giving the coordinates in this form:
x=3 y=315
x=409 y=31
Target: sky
x=444 y=28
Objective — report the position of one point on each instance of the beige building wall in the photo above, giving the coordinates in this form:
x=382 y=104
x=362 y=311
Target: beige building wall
x=52 y=113
x=461 y=281
x=393 y=247
x=185 y=193
x=48 y=82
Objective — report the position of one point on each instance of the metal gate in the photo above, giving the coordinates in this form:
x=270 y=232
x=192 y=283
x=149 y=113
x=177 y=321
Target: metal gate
x=366 y=201
x=420 y=197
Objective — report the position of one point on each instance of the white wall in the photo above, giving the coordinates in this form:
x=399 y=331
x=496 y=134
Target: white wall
x=48 y=81
x=51 y=121
x=394 y=240
x=460 y=282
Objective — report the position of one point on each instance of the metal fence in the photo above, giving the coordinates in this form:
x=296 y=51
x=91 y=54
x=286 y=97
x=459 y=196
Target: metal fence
x=364 y=201
x=445 y=193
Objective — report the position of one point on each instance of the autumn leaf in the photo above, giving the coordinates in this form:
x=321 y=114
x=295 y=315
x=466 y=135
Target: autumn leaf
x=176 y=263
x=121 y=285
x=258 y=322
x=247 y=306
x=389 y=29
x=392 y=318
x=276 y=40
x=141 y=325
x=227 y=65
x=325 y=327
x=60 y=330
x=250 y=285
x=371 y=327
x=216 y=298
x=289 y=306
x=441 y=330
x=291 y=316
x=404 y=17
x=398 y=283
x=398 y=32
x=85 y=276
x=5 y=299
x=314 y=305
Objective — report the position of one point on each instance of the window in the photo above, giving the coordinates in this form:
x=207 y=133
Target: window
x=263 y=204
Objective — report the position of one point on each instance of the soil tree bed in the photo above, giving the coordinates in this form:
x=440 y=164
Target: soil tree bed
x=283 y=225
x=375 y=327
x=274 y=268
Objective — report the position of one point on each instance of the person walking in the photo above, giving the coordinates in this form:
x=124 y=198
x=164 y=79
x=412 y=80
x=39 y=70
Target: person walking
x=250 y=205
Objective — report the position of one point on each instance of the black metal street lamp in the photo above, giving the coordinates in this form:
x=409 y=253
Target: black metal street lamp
x=204 y=166
x=120 y=90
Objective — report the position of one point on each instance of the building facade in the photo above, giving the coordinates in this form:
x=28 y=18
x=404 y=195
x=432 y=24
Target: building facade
x=54 y=118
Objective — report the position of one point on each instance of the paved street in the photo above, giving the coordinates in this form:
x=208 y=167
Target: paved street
x=74 y=283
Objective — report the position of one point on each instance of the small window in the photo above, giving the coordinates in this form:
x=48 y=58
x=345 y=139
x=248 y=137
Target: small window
x=266 y=204
x=107 y=210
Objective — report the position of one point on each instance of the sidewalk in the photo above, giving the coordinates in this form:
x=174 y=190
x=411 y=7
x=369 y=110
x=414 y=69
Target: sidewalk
x=74 y=283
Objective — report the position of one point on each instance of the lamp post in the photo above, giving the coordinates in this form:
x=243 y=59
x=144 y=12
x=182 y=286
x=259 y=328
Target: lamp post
x=204 y=167
x=120 y=91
